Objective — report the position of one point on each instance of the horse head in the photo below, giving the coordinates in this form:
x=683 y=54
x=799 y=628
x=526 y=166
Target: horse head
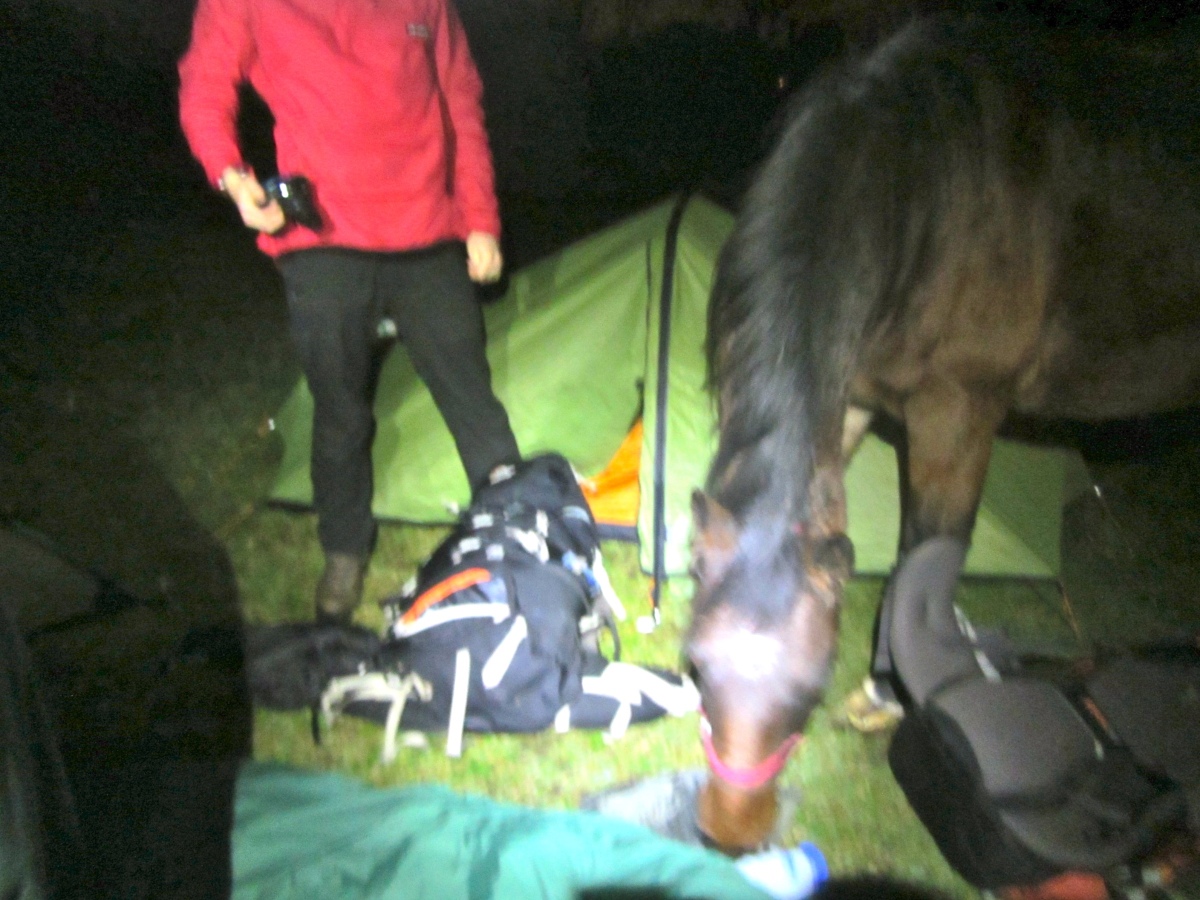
x=761 y=646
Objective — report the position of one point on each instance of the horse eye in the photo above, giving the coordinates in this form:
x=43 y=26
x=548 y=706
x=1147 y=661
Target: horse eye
x=694 y=674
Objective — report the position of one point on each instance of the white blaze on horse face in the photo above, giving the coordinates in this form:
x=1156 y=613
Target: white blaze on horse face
x=752 y=655
x=728 y=648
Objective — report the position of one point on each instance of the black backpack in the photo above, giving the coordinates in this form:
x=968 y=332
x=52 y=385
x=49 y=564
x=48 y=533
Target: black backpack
x=1023 y=773
x=500 y=631
x=290 y=664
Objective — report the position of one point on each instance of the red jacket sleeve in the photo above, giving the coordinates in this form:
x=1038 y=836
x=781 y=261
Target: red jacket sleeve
x=474 y=179
x=216 y=62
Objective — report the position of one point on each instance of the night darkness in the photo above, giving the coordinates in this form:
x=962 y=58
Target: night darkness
x=132 y=296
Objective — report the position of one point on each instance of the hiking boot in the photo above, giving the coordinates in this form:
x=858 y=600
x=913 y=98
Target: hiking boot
x=870 y=710
x=340 y=589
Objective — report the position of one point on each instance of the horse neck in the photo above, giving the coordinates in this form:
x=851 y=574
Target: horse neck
x=764 y=475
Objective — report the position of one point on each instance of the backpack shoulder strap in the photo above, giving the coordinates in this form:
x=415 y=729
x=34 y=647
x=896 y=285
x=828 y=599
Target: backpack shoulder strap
x=376 y=687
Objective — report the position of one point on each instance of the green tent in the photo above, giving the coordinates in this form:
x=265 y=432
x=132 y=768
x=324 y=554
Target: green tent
x=610 y=329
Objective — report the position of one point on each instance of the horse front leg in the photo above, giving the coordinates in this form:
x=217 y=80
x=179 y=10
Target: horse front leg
x=949 y=432
x=948 y=445
x=827 y=517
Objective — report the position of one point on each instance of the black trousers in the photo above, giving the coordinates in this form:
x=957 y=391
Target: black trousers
x=336 y=300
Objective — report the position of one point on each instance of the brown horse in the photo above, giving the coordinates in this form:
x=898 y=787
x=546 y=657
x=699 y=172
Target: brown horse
x=978 y=219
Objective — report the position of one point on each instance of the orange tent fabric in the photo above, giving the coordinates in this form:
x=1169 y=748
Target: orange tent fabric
x=613 y=494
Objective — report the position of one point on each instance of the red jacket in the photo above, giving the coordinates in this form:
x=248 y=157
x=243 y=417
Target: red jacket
x=377 y=102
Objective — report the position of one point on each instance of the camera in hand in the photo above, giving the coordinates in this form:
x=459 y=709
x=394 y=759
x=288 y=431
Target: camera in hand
x=295 y=196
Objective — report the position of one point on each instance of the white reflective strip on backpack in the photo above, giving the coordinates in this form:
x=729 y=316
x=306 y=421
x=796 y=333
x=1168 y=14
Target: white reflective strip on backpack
x=615 y=688
x=607 y=591
x=432 y=618
x=458 y=703
x=576 y=512
x=466 y=545
x=502 y=473
x=677 y=699
x=497 y=664
x=628 y=683
x=620 y=722
x=531 y=542
x=380 y=687
x=990 y=672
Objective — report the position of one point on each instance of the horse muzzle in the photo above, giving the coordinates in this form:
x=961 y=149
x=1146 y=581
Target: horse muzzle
x=737 y=809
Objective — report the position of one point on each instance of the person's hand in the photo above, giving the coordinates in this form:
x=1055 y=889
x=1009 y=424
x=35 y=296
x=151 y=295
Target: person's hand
x=244 y=190
x=484 y=261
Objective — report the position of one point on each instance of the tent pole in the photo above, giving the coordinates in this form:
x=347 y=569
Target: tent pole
x=660 y=403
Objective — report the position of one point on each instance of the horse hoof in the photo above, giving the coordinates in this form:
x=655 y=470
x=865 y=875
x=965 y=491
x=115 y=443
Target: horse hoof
x=867 y=712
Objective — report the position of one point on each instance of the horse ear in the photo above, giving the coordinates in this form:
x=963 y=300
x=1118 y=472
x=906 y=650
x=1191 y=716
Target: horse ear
x=834 y=554
x=715 y=539
x=700 y=504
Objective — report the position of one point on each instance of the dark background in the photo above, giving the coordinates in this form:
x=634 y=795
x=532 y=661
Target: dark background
x=100 y=201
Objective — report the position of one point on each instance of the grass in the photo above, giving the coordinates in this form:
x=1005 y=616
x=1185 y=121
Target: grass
x=146 y=357
x=158 y=463
x=163 y=428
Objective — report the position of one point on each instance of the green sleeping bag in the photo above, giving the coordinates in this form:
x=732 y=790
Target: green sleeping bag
x=319 y=835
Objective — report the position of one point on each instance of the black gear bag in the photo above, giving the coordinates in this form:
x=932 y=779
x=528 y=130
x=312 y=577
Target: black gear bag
x=501 y=629
x=1021 y=775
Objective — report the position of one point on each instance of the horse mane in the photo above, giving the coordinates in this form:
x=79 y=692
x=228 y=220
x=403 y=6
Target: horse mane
x=844 y=218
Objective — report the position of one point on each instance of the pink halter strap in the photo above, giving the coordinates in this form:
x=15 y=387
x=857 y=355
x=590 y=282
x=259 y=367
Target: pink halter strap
x=751 y=778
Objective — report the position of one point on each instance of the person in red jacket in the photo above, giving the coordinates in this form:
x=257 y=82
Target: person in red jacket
x=378 y=106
